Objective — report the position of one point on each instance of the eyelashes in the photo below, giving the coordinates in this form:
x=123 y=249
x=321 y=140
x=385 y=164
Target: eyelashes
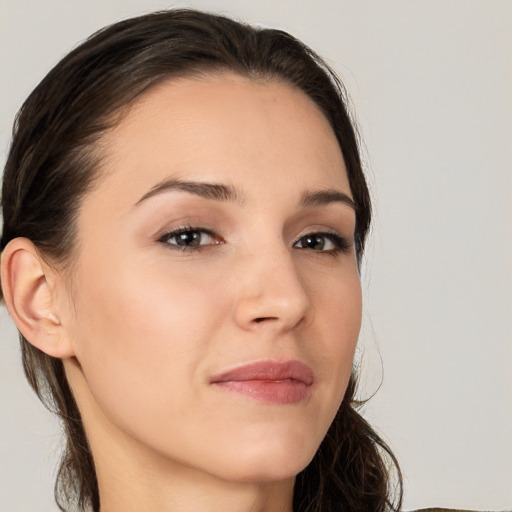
x=190 y=238
x=323 y=242
x=194 y=238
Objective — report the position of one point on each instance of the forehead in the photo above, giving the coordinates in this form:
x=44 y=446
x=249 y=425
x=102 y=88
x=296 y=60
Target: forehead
x=225 y=128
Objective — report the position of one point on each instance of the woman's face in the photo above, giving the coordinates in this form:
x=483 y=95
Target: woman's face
x=215 y=298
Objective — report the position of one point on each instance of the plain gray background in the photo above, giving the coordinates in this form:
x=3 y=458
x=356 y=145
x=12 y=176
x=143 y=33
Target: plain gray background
x=431 y=85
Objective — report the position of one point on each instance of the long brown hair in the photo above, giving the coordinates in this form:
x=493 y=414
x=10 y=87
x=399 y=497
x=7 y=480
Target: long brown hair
x=53 y=162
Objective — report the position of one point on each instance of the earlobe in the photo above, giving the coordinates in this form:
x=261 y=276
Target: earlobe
x=29 y=294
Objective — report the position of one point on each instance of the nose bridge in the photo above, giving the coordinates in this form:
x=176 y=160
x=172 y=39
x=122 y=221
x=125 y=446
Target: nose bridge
x=270 y=289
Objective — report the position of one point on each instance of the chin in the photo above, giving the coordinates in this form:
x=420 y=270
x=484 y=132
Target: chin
x=272 y=459
x=263 y=472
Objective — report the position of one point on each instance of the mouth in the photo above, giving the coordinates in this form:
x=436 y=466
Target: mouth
x=270 y=382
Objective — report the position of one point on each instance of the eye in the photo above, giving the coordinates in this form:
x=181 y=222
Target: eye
x=323 y=242
x=189 y=238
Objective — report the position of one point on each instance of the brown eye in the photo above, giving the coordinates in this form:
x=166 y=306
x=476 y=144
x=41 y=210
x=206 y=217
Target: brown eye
x=315 y=242
x=323 y=242
x=189 y=238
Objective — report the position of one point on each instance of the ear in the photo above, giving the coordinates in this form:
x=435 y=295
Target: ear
x=30 y=292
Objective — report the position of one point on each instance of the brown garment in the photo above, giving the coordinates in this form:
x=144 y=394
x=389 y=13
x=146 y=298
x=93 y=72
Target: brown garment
x=444 y=510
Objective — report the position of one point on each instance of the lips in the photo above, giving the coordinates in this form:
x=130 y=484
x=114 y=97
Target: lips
x=268 y=381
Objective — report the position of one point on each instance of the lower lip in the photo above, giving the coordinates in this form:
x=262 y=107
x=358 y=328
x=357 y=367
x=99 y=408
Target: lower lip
x=269 y=391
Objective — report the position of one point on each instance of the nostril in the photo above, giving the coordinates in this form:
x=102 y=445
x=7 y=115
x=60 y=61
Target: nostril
x=263 y=318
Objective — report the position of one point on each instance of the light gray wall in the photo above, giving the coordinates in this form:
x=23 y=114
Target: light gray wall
x=431 y=83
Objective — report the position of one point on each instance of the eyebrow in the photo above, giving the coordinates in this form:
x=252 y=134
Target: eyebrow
x=327 y=196
x=215 y=191
x=220 y=192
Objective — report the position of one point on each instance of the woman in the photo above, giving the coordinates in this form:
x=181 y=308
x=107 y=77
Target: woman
x=184 y=217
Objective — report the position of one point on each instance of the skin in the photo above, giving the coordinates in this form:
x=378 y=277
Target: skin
x=143 y=325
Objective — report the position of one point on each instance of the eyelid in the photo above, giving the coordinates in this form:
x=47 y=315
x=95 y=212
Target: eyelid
x=342 y=243
x=170 y=233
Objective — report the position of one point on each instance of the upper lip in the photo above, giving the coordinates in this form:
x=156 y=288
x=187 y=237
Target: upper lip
x=269 y=371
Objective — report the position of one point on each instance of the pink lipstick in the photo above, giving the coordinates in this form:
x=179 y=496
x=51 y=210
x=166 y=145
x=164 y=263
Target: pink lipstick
x=271 y=382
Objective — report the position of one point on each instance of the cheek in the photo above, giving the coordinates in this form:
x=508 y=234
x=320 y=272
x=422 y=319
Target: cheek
x=346 y=312
x=337 y=299
x=338 y=309
x=141 y=334
x=143 y=307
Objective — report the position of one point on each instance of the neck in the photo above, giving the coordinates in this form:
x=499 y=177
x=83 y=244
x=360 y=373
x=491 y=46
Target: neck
x=185 y=490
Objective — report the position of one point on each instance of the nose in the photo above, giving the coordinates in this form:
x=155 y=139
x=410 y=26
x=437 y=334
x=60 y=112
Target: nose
x=270 y=293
